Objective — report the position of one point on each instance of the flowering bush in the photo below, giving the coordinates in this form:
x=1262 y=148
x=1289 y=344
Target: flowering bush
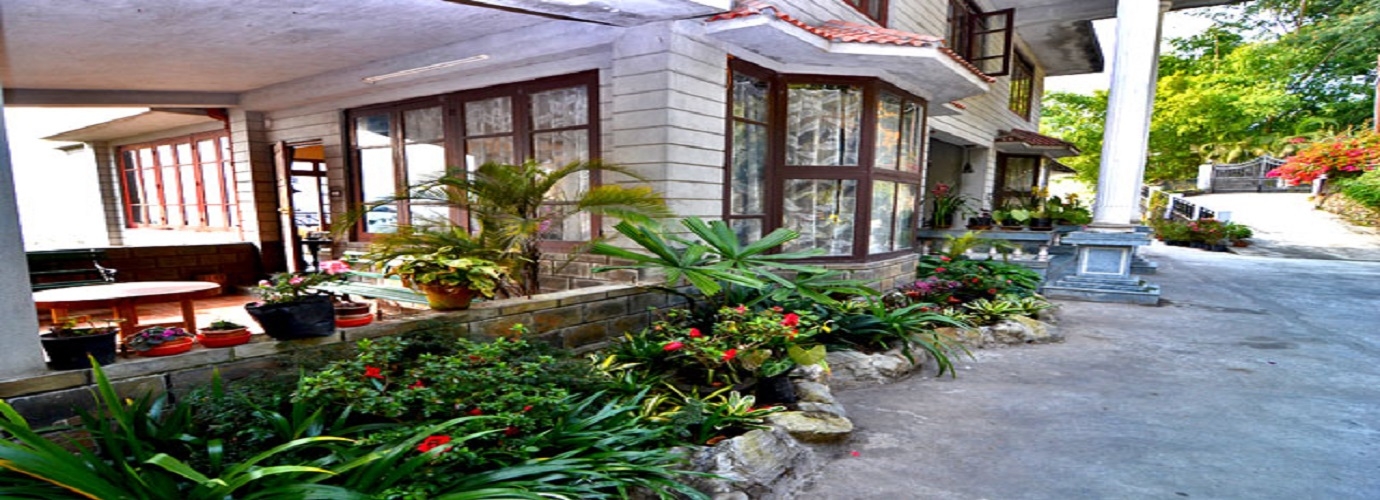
x=152 y=337
x=1207 y=231
x=742 y=341
x=947 y=203
x=1344 y=154
x=287 y=287
x=946 y=280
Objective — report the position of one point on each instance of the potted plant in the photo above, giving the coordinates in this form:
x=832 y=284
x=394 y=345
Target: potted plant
x=946 y=205
x=223 y=333
x=1071 y=211
x=69 y=346
x=160 y=341
x=1174 y=233
x=450 y=277
x=981 y=222
x=1238 y=233
x=291 y=308
x=1043 y=213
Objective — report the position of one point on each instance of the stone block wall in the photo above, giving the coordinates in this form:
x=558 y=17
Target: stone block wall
x=579 y=320
x=238 y=261
x=882 y=275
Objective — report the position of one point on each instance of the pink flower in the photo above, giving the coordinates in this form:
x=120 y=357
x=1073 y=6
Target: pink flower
x=695 y=333
x=334 y=267
x=855 y=454
x=296 y=280
x=945 y=259
x=791 y=319
x=674 y=345
x=939 y=269
x=741 y=309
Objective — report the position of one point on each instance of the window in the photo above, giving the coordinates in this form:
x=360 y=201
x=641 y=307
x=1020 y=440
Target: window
x=552 y=121
x=1016 y=176
x=184 y=182
x=836 y=159
x=875 y=9
x=982 y=38
x=1022 y=87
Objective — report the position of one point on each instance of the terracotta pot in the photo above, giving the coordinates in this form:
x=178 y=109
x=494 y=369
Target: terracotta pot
x=448 y=298
x=223 y=338
x=351 y=314
x=178 y=346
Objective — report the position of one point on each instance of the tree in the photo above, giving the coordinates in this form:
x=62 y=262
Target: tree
x=1079 y=119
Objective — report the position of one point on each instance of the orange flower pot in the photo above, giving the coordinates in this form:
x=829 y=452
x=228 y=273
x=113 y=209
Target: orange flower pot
x=223 y=338
x=178 y=346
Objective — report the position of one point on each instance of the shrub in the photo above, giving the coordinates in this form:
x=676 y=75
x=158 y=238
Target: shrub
x=947 y=280
x=1364 y=189
x=1341 y=156
x=741 y=342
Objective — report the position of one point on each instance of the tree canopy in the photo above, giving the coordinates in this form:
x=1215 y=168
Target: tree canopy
x=1263 y=74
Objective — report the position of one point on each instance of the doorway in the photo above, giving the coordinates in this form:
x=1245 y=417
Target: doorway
x=304 y=202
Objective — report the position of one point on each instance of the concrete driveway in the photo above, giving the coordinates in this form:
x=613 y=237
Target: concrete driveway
x=1287 y=225
x=1259 y=379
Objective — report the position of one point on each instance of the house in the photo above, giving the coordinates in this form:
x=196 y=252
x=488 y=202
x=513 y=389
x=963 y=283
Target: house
x=830 y=117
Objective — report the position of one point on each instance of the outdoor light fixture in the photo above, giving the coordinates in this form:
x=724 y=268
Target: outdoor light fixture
x=415 y=71
x=967 y=164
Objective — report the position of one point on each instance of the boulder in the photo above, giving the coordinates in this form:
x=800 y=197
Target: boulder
x=765 y=464
x=812 y=427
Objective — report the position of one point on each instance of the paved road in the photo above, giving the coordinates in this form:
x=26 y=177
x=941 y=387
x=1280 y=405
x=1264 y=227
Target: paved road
x=1260 y=379
x=1286 y=225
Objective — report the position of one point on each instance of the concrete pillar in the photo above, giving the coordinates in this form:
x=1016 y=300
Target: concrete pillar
x=112 y=201
x=256 y=187
x=1129 y=104
x=20 y=352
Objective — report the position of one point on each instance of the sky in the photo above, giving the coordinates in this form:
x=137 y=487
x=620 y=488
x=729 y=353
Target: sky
x=1176 y=25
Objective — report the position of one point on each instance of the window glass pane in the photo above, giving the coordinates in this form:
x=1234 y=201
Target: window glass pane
x=150 y=187
x=883 y=217
x=558 y=149
x=215 y=215
x=133 y=191
x=823 y=124
x=425 y=162
x=155 y=214
x=489 y=116
x=174 y=213
x=573 y=228
x=171 y=196
x=906 y=216
x=749 y=169
x=210 y=182
x=378 y=182
x=429 y=214
x=184 y=153
x=206 y=150
x=1019 y=176
x=749 y=98
x=912 y=136
x=372 y=131
x=888 y=132
x=823 y=212
x=568 y=107
x=490 y=149
x=748 y=230
x=422 y=125
x=189 y=195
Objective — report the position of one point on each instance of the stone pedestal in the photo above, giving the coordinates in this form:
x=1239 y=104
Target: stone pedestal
x=1104 y=270
x=1141 y=265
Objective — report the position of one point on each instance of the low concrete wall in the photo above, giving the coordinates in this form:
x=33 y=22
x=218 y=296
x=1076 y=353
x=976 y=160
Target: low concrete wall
x=579 y=320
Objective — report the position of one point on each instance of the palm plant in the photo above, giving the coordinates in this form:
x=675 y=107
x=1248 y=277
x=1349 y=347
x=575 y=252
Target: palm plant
x=511 y=209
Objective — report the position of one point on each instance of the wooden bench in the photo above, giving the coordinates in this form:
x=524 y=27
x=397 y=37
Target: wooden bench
x=51 y=269
x=365 y=284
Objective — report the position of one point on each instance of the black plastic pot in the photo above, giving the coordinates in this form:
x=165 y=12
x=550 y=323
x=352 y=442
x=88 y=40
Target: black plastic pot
x=70 y=353
x=1044 y=224
x=308 y=317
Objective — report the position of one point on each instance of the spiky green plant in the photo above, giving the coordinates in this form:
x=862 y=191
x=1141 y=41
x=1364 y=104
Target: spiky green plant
x=511 y=207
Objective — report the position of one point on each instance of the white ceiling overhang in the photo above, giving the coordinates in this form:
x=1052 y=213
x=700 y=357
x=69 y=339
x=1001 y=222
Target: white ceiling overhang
x=131 y=126
x=937 y=75
x=612 y=12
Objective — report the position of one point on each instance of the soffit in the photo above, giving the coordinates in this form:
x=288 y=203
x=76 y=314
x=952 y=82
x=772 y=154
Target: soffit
x=218 y=46
x=131 y=126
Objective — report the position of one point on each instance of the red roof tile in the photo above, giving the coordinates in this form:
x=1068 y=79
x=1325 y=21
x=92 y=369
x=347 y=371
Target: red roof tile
x=1033 y=139
x=849 y=32
x=958 y=105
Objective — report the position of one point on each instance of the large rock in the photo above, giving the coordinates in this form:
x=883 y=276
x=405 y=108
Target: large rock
x=763 y=464
x=855 y=369
x=812 y=427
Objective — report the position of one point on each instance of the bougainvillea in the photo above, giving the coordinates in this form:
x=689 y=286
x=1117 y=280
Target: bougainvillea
x=1343 y=154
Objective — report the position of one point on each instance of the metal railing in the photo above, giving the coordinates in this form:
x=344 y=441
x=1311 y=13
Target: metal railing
x=1177 y=206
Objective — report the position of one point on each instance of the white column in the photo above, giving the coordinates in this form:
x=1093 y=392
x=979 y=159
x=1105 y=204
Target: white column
x=1131 y=99
x=20 y=352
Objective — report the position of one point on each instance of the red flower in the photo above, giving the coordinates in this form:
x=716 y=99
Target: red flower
x=991 y=291
x=510 y=431
x=476 y=412
x=695 y=333
x=432 y=442
x=954 y=300
x=527 y=408
x=373 y=372
x=730 y=354
x=417 y=385
x=741 y=309
x=855 y=454
x=674 y=345
x=944 y=258
x=791 y=319
x=939 y=269
x=975 y=280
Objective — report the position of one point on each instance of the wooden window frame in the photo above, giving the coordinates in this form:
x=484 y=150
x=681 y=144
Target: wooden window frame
x=967 y=30
x=1022 y=92
x=454 y=138
x=228 y=206
x=875 y=10
x=865 y=173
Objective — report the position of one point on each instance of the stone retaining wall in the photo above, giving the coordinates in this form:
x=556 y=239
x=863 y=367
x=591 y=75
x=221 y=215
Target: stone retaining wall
x=579 y=320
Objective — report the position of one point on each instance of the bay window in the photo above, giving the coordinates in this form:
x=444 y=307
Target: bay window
x=551 y=121
x=836 y=159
